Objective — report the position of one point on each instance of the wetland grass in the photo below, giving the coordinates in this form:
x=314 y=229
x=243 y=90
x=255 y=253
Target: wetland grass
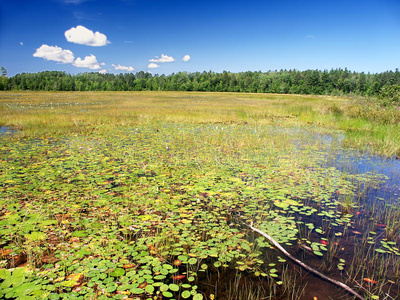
x=367 y=125
x=144 y=195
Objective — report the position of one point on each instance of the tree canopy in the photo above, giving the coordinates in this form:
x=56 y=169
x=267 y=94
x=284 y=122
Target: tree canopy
x=333 y=82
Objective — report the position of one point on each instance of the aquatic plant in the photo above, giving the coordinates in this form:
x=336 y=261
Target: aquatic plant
x=141 y=205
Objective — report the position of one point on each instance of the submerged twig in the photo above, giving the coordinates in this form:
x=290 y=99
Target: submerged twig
x=277 y=245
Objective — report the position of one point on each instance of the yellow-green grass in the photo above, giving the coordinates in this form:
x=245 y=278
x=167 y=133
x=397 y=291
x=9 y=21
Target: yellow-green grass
x=367 y=126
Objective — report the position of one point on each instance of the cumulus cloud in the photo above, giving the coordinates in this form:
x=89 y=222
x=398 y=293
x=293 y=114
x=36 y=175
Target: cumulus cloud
x=82 y=35
x=103 y=71
x=88 y=62
x=58 y=54
x=21 y=43
x=153 y=65
x=186 y=58
x=163 y=58
x=123 y=68
x=55 y=53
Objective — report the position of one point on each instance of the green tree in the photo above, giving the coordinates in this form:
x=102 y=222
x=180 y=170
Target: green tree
x=3 y=72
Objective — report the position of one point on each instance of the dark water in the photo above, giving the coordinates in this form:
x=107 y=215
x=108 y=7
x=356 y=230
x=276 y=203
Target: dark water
x=355 y=162
x=385 y=170
x=372 y=197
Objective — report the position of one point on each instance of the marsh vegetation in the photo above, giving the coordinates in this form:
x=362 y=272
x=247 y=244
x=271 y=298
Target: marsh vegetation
x=147 y=195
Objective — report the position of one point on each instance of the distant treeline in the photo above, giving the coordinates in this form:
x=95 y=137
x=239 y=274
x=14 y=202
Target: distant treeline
x=333 y=82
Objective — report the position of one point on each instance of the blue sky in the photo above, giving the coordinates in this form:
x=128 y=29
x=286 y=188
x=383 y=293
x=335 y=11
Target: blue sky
x=163 y=37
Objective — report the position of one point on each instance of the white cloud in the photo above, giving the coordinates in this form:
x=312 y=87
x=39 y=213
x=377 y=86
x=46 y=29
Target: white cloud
x=88 y=62
x=186 y=58
x=21 y=43
x=153 y=65
x=82 y=35
x=54 y=53
x=123 y=68
x=164 y=58
x=103 y=71
x=128 y=42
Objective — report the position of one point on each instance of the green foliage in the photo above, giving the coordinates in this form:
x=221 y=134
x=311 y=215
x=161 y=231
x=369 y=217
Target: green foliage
x=390 y=95
x=18 y=284
x=3 y=72
x=333 y=82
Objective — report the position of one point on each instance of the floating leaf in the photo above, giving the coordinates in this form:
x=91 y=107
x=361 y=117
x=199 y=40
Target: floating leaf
x=164 y=287
x=186 y=294
x=118 y=272
x=128 y=266
x=143 y=285
x=318 y=253
x=273 y=270
x=4 y=273
x=36 y=236
x=242 y=268
x=174 y=287
x=167 y=294
x=137 y=291
x=69 y=283
x=111 y=289
x=79 y=233
x=198 y=297
x=177 y=262
x=149 y=289
x=369 y=280
x=380 y=250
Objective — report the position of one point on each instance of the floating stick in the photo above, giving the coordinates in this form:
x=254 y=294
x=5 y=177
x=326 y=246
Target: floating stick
x=308 y=268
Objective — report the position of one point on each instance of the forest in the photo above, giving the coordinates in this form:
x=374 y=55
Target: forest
x=335 y=82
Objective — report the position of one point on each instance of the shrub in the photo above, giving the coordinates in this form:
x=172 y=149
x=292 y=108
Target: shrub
x=390 y=95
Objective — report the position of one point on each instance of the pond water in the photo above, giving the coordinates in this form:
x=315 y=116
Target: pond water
x=387 y=169
x=4 y=130
x=355 y=162
x=376 y=223
x=374 y=229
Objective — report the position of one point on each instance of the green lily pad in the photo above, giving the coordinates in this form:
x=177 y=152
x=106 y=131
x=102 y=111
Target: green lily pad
x=174 y=287
x=118 y=272
x=186 y=294
x=4 y=273
x=167 y=294
x=149 y=289
x=137 y=291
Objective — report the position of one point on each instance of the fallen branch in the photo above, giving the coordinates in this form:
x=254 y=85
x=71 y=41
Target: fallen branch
x=358 y=284
x=277 y=245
